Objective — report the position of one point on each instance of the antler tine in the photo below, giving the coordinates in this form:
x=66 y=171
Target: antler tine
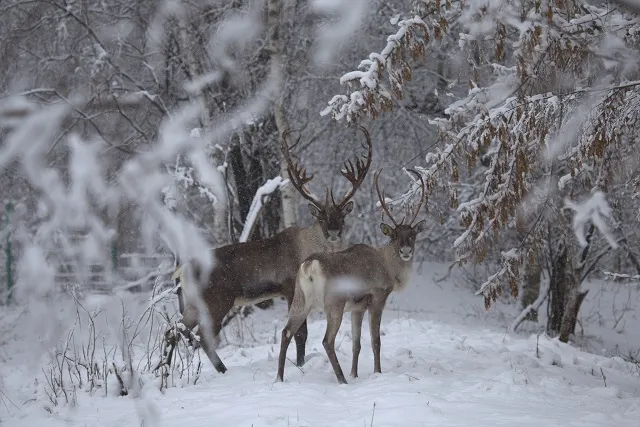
x=297 y=174
x=356 y=173
x=332 y=199
x=422 y=190
x=376 y=177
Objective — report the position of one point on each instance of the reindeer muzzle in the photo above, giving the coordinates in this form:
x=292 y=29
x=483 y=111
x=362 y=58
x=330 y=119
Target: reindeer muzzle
x=334 y=236
x=406 y=253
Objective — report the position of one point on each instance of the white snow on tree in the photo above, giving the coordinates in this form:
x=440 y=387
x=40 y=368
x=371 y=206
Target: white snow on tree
x=535 y=67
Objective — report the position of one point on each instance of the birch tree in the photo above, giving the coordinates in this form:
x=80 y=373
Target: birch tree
x=276 y=22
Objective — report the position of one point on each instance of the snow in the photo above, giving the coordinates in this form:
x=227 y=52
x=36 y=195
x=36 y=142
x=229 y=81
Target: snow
x=594 y=210
x=445 y=362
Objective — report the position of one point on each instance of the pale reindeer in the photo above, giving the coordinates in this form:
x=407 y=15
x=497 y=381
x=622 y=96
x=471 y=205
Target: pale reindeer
x=357 y=279
x=251 y=272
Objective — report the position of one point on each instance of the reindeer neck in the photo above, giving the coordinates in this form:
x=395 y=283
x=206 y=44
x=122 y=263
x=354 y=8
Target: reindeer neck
x=312 y=240
x=399 y=270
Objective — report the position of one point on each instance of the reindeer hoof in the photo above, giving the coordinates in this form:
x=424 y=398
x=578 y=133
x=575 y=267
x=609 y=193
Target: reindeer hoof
x=221 y=368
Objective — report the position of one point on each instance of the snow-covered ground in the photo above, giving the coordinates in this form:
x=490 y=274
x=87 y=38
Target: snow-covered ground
x=445 y=362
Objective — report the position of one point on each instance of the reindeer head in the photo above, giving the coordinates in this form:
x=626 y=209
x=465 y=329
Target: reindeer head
x=330 y=214
x=403 y=236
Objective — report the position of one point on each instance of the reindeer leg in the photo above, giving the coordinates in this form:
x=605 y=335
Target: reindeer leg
x=356 y=330
x=375 y=317
x=220 y=310
x=300 y=336
x=190 y=319
x=209 y=350
x=298 y=313
x=293 y=325
x=334 y=319
x=209 y=342
x=301 y=342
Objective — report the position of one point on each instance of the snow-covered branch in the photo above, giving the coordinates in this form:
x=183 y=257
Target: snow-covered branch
x=593 y=210
x=372 y=97
x=619 y=276
x=256 y=205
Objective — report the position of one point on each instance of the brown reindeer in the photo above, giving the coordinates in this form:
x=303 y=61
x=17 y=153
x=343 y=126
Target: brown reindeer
x=357 y=279
x=250 y=272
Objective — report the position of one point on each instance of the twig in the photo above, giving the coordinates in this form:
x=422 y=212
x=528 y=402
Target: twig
x=373 y=413
x=9 y=400
x=448 y=275
x=604 y=378
x=294 y=364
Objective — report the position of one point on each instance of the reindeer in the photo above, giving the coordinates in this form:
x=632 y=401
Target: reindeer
x=251 y=272
x=357 y=279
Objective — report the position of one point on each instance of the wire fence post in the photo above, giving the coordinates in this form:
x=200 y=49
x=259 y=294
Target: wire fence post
x=114 y=256
x=8 y=250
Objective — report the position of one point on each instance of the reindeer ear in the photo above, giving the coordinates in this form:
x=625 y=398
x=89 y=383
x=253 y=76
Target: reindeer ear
x=314 y=211
x=419 y=227
x=348 y=207
x=386 y=230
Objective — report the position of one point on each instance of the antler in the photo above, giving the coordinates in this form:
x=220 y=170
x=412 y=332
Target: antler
x=381 y=198
x=356 y=174
x=297 y=173
x=422 y=186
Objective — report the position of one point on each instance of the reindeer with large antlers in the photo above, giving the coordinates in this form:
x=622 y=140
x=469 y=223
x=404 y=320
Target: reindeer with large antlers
x=250 y=272
x=358 y=279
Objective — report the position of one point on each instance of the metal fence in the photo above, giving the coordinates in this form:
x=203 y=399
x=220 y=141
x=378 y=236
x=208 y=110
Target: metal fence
x=134 y=272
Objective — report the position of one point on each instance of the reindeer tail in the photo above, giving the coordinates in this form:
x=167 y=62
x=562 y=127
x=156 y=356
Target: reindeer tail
x=311 y=281
x=309 y=269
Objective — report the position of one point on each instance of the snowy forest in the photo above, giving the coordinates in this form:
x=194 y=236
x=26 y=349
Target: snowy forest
x=168 y=167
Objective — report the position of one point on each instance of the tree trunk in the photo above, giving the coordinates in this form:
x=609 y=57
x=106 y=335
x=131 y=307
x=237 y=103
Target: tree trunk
x=192 y=67
x=220 y=222
x=570 y=319
x=557 y=288
x=288 y=193
x=566 y=296
x=247 y=180
x=531 y=288
x=221 y=216
x=574 y=296
x=569 y=324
